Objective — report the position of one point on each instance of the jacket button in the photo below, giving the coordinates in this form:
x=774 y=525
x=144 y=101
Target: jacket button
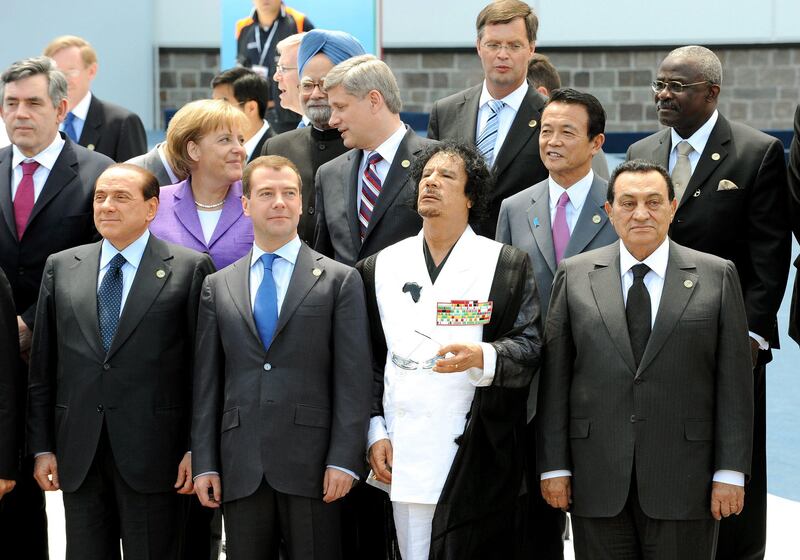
x=106 y=367
x=637 y=381
x=322 y=146
x=311 y=210
x=633 y=418
x=100 y=408
x=21 y=271
x=267 y=367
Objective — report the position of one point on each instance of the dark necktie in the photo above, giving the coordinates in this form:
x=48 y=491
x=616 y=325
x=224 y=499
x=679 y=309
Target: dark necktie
x=370 y=191
x=69 y=127
x=637 y=312
x=24 y=199
x=265 y=309
x=109 y=300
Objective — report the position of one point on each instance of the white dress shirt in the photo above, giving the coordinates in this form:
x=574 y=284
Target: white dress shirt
x=46 y=159
x=133 y=256
x=208 y=222
x=654 y=281
x=250 y=145
x=387 y=150
x=79 y=111
x=577 y=197
x=512 y=102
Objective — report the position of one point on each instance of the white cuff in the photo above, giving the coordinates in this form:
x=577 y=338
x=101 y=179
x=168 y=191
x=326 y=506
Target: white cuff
x=555 y=474
x=346 y=471
x=204 y=474
x=43 y=453
x=729 y=477
x=762 y=342
x=377 y=430
x=484 y=377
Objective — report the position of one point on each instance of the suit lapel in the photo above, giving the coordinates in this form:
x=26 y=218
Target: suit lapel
x=523 y=127
x=64 y=172
x=144 y=290
x=186 y=212
x=6 y=204
x=238 y=282
x=674 y=298
x=84 y=298
x=606 y=284
x=231 y=211
x=717 y=141
x=395 y=180
x=93 y=125
x=303 y=279
x=468 y=114
x=351 y=196
x=587 y=226
x=539 y=223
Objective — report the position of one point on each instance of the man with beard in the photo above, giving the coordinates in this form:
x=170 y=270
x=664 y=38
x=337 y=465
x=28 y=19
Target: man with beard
x=310 y=147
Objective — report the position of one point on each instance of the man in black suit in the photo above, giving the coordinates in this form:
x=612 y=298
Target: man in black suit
x=365 y=198
x=98 y=125
x=794 y=188
x=278 y=432
x=730 y=181
x=46 y=186
x=110 y=380
x=243 y=88
x=501 y=116
x=9 y=350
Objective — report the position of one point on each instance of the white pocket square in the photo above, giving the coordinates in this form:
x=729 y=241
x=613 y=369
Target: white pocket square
x=726 y=185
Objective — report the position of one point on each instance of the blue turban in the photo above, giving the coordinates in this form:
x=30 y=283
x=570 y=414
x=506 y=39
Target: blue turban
x=336 y=45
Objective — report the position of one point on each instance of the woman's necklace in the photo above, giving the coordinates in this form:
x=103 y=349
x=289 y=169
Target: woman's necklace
x=210 y=206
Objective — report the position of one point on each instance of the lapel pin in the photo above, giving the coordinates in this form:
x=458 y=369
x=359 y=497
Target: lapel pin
x=696 y=193
x=90 y=147
x=596 y=219
x=160 y=273
x=688 y=283
x=715 y=156
x=536 y=222
x=532 y=123
x=316 y=272
x=405 y=163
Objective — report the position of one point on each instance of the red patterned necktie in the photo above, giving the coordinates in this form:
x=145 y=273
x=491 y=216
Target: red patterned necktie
x=370 y=191
x=24 y=199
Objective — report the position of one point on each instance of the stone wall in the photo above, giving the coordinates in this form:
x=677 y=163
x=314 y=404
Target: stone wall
x=184 y=75
x=760 y=86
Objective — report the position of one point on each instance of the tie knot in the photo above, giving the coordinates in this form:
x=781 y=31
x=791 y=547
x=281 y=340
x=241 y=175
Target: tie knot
x=70 y=118
x=639 y=271
x=563 y=200
x=116 y=263
x=684 y=148
x=496 y=105
x=374 y=159
x=267 y=259
x=29 y=167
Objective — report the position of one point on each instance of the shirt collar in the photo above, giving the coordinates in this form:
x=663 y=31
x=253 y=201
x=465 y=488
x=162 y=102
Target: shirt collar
x=657 y=260
x=250 y=145
x=513 y=99
x=161 y=149
x=288 y=252
x=46 y=158
x=577 y=193
x=132 y=253
x=389 y=148
x=82 y=108
x=699 y=139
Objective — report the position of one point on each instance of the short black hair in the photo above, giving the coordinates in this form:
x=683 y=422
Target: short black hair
x=247 y=86
x=480 y=180
x=597 y=115
x=542 y=73
x=149 y=184
x=639 y=166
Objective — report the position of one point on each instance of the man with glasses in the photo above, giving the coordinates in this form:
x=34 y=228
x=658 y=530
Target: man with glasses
x=311 y=146
x=730 y=181
x=287 y=82
x=500 y=116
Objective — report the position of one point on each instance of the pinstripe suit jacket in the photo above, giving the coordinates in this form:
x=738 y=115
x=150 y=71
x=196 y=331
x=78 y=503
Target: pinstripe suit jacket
x=684 y=413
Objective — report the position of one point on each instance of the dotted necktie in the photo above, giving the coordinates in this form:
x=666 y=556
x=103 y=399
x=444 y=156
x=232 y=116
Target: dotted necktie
x=682 y=171
x=69 y=127
x=637 y=311
x=24 y=199
x=265 y=310
x=109 y=300
x=488 y=136
x=370 y=191
x=561 y=232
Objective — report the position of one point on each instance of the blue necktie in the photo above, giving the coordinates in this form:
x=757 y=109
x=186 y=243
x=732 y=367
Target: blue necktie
x=109 y=300
x=69 y=128
x=265 y=310
x=301 y=124
x=488 y=135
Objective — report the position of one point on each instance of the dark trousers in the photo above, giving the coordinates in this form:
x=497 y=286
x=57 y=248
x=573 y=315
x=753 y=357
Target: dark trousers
x=105 y=509
x=202 y=532
x=23 y=522
x=744 y=537
x=632 y=535
x=255 y=526
x=367 y=525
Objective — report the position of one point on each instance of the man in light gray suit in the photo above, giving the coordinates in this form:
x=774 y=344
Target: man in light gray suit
x=157 y=162
x=645 y=418
x=534 y=221
x=279 y=432
x=365 y=198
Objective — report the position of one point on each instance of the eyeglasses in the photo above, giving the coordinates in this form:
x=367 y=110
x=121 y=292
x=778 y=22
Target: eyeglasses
x=512 y=48
x=280 y=69
x=675 y=87
x=407 y=363
x=307 y=85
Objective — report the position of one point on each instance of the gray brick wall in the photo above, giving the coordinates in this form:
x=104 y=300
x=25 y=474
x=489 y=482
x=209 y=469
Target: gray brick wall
x=760 y=86
x=184 y=75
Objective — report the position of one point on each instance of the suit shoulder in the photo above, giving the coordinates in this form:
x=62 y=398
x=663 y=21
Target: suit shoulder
x=700 y=258
x=336 y=163
x=455 y=98
x=741 y=131
x=648 y=141
x=73 y=253
x=587 y=260
x=280 y=142
x=114 y=111
x=183 y=254
x=90 y=159
x=524 y=196
x=337 y=268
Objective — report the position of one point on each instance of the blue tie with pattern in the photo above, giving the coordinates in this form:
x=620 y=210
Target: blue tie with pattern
x=265 y=310
x=488 y=135
x=69 y=128
x=109 y=300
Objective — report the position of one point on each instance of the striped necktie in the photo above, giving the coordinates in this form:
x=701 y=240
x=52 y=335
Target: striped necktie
x=370 y=191
x=488 y=136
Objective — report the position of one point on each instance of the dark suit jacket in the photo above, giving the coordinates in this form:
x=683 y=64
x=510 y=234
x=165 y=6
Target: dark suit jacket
x=113 y=130
x=393 y=219
x=9 y=382
x=684 y=413
x=517 y=165
x=61 y=218
x=748 y=225
x=259 y=147
x=152 y=162
x=285 y=413
x=308 y=148
x=140 y=390
x=794 y=189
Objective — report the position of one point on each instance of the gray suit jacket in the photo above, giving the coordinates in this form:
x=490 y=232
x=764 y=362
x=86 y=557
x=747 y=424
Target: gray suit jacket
x=524 y=222
x=393 y=219
x=684 y=413
x=152 y=162
x=288 y=412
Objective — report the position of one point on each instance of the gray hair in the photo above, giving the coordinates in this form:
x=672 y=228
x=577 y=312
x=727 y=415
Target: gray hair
x=362 y=74
x=707 y=62
x=289 y=41
x=56 y=82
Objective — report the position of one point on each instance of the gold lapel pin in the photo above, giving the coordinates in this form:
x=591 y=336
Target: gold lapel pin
x=688 y=283
x=405 y=163
x=532 y=123
x=596 y=219
x=696 y=193
x=316 y=272
x=160 y=273
x=715 y=156
x=90 y=147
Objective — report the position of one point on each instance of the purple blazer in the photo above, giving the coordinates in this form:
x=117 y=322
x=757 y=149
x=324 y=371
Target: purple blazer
x=177 y=222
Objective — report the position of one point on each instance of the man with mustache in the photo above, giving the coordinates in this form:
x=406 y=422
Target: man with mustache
x=730 y=181
x=311 y=146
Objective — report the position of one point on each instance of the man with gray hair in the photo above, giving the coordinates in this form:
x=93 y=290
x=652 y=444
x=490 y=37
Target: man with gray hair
x=46 y=186
x=287 y=78
x=365 y=196
x=731 y=184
